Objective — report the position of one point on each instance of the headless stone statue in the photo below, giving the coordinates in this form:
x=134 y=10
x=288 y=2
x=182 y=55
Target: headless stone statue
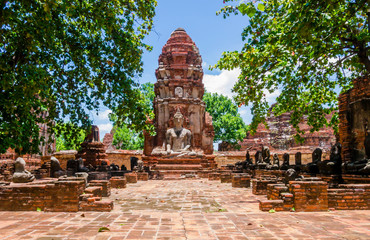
x=266 y=154
x=313 y=167
x=298 y=159
x=259 y=160
x=55 y=169
x=178 y=139
x=332 y=166
x=285 y=164
x=21 y=175
x=275 y=162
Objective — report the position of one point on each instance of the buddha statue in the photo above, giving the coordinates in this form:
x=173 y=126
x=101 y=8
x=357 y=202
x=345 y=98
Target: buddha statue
x=21 y=175
x=178 y=139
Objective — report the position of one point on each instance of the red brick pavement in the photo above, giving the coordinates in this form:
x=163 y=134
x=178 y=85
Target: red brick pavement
x=187 y=209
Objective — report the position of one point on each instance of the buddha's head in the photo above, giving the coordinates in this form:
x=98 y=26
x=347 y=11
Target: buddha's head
x=178 y=119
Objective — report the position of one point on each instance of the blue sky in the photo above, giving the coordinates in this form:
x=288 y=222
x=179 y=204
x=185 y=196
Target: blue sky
x=212 y=34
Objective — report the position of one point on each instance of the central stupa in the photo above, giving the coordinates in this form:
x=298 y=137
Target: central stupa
x=178 y=105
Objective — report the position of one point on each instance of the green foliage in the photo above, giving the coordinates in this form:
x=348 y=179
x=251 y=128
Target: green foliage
x=103 y=229
x=306 y=48
x=126 y=135
x=228 y=125
x=61 y=58
x=126 y=138
x=64 y=132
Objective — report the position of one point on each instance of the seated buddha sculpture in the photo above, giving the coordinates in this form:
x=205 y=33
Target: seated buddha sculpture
x=178 y=139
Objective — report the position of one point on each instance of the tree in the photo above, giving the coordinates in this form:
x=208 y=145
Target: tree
x=307 y=49
x=64 y=132
x=126 y=136
x=61 y=59
x=228 y=125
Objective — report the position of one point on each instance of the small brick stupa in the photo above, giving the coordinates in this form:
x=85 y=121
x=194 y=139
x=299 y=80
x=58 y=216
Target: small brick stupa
x=179 y=92
x=92 y=149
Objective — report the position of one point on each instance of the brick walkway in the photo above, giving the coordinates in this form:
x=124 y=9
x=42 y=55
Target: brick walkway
x=188 y=209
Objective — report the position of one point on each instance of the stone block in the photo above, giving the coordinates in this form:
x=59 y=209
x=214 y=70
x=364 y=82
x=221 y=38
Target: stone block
x=118 y=182
x=241 y=181
x=131 y=177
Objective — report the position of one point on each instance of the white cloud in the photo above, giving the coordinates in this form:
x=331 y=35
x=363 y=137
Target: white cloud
x=106 y=127
x=104 y=115
x=222 y=83
x=225 y=81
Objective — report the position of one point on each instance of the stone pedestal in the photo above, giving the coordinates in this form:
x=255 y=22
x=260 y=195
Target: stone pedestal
x=241 y=181
x=226 y=178
x=118 y=182
x=131 y=177
x=309 y=196
x=142 y=176
x=214 y=176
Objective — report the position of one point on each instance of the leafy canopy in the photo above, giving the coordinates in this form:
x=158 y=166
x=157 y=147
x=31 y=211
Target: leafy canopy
x=307 y=49
x=61 y=58
x=228 y=125
x=64 y=132
x=126 y=136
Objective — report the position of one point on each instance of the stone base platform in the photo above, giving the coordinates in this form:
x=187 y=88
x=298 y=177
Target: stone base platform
x=177 y=167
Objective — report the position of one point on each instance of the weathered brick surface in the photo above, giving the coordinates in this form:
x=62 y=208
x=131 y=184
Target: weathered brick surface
x=259 y=186
x=356 y=179
x=104 y=184
x=279 y=135
x=214 y=176
x=309 y=196
x=226 y=178
x=350 y=197
x=57 y=196
x=273 y=191
x=352 y=115
x=95 y=191
x=118 y=182
x=131 y=177
x=241 y=180
x=96 y=205
x=142 y=176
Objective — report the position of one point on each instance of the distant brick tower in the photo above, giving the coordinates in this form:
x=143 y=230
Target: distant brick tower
x=180 y=87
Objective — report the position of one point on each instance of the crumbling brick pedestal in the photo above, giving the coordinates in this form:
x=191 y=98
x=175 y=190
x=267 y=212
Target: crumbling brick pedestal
x=118 y=182
x=131 y=177
x=142 y=176
x=259 y=186
x=241 y=181
x=226 y=178
x=309 y=196
x=214 y=176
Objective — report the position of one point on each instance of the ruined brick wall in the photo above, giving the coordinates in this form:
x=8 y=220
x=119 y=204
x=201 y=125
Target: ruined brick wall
x=350 y=197
x=280 y=136
x=64 y=156
x=354 y=114
x=62 y=196
x=120 y=157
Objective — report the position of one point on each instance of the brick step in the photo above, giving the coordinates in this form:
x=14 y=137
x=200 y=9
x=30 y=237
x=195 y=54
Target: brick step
x=181 y=161
x=194 y=167
x=95 y=191
x=176 y=172
x=267 y=205
x=96 y=205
